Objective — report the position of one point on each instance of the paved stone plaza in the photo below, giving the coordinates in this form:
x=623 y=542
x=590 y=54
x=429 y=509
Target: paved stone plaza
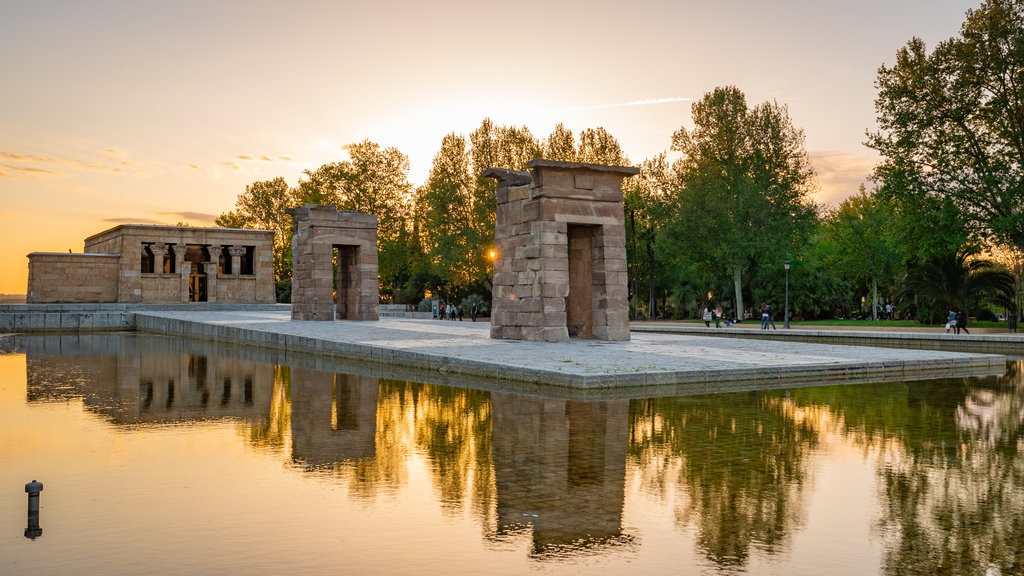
x=669 y=363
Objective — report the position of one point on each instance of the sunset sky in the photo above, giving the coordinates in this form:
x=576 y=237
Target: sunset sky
x=137 y=111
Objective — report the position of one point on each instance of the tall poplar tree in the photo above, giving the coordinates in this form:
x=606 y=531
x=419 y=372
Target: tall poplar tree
x=444 y=213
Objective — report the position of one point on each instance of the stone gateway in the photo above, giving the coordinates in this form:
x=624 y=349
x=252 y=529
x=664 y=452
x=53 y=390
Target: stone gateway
x=560 y=268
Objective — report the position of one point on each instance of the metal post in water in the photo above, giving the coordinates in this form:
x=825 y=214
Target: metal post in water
x=33 y=489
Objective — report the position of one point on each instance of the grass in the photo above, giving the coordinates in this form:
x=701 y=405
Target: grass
x=887 y=323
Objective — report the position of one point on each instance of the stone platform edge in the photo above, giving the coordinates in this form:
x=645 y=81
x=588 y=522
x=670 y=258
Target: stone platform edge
x=480 y=373
x=98 y=317
x=985 y=343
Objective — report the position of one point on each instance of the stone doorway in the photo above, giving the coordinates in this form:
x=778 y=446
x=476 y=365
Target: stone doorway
x=579 y=305
x=197 y=284
x=346 y=296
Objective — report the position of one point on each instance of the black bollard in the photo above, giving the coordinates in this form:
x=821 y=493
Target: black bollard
x=33 y=489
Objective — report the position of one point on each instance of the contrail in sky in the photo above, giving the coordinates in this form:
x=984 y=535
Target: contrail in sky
x=624 y=104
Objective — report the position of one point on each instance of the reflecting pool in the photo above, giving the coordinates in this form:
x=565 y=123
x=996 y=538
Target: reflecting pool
x=170 y=456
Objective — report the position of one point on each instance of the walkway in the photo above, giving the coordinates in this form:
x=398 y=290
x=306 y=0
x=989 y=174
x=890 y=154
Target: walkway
x=649 y=364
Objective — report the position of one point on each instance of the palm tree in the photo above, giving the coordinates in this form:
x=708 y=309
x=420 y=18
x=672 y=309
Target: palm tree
x=958 y=282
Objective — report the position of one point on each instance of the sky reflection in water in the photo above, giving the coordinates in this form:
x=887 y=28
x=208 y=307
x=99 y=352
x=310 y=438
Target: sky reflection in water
x=169 y=456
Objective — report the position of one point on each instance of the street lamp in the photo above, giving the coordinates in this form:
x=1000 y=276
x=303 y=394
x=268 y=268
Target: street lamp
x=786 y=324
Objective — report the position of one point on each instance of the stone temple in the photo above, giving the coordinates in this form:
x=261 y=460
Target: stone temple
x=138 y=263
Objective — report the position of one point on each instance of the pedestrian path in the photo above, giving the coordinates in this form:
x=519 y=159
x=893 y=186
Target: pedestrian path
x=649 y=363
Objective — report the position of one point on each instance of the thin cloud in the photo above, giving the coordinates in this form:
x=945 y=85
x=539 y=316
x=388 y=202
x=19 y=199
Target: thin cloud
x=262 y=158
x=32 y=166
x=190 y=216
x=646 y=102
x=26 y=172
x=132 y=221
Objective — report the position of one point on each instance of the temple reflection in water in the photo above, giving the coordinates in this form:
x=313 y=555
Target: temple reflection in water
x=556 y=475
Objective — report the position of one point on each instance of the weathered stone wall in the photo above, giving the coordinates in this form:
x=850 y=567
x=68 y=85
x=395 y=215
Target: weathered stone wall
x=59 y=277
x=318 y=231
x=542 y=290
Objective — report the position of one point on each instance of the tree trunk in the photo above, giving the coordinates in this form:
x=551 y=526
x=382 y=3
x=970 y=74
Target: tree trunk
x=874 y=299
x=737 y=280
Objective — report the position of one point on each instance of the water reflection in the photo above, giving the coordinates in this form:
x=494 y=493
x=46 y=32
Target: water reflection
x=740 y=458
x=560 y=472
x=557 y=478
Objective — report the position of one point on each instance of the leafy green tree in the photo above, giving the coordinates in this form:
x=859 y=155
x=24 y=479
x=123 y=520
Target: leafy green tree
x=373 y=180
x=862 y=252
x=648 y=210
x=744 y=187
x=952 y=121
x=560 y=145
x=262 y=207
x=492 y=146
x=598 y=146
x=444 y=214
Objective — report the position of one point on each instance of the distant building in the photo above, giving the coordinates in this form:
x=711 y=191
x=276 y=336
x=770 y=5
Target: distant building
x=136 y=263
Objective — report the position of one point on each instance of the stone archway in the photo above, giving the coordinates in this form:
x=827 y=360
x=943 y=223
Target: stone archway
x=334 y=264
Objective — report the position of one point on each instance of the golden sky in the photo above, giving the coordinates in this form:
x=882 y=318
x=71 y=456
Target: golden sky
x=133 y=111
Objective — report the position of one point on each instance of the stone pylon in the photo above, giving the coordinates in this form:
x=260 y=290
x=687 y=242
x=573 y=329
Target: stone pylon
x=323 y=236
x=560 y=242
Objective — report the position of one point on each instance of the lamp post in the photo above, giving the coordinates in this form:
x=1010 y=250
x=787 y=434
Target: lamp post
x=786 y=323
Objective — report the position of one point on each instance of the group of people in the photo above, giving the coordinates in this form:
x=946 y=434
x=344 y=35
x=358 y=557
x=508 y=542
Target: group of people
x=767 y=317
x=956 y=321
x=715 y=314
x=452 y=311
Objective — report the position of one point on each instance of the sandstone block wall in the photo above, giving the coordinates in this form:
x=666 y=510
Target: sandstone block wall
x=72 y=278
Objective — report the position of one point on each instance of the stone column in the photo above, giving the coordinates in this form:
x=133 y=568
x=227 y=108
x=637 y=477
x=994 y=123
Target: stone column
x=159 y=250
x=184 y=270
x=236 y=253
x=210 y=268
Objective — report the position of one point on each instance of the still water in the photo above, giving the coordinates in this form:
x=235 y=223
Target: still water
x=169 y=456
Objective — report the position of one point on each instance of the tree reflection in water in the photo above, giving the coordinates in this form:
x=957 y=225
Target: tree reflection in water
x=742 y=460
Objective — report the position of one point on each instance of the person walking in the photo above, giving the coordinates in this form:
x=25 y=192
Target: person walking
x=717 y=313
x=707 y=317
x=950 y=320
x=961 y=322
x=765 y=316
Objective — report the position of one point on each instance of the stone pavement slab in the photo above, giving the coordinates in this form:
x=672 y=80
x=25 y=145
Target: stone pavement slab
x=649 y=363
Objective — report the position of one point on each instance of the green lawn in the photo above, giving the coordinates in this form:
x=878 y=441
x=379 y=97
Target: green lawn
x=888 y=323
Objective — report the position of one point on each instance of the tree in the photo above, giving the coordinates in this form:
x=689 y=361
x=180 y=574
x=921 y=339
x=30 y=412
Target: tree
x=960 y=281
x=373 y=180
x=491 y=146
x=560 y=145
x=444 y=212
x=952 y=122
x=597 y=146
x=744 y=182
x=647 y=208
x=858 y=233
x=262 y=207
